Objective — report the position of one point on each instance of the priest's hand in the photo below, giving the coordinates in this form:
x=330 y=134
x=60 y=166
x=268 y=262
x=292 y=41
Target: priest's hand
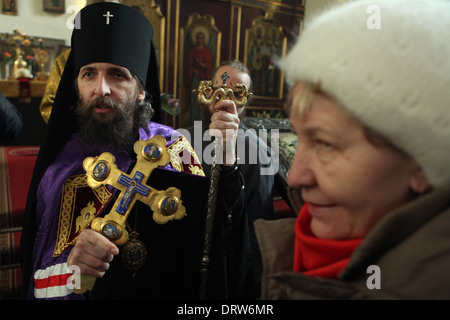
x=92 y=253
x=224 y=125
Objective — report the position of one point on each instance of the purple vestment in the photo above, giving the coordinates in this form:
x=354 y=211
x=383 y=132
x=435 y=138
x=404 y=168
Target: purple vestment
x=49 y=273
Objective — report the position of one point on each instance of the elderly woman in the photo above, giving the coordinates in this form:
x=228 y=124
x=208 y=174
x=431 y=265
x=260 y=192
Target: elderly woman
x=370 y=107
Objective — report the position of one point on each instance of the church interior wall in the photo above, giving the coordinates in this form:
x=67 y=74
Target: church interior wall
x=231 y=19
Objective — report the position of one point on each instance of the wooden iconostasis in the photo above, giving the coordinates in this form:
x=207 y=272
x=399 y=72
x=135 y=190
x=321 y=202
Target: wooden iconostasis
x=194 y=36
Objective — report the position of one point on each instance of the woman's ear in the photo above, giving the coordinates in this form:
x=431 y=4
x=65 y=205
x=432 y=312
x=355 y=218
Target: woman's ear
x=419 y=182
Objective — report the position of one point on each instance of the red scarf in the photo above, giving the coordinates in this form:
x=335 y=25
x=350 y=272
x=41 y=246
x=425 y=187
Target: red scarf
x=319 y=257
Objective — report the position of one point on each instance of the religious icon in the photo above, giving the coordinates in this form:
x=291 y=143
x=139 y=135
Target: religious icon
x=200 y=54
x=100 y=171
x=57 y=6
x=9 y=7
x=265 y=44
x=199 y=65
x=111 y=231
x=85 y=217
x=169 y=205
x=152 y=152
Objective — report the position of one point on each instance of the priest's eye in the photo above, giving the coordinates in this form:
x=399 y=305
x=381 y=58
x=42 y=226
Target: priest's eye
x=87 y=74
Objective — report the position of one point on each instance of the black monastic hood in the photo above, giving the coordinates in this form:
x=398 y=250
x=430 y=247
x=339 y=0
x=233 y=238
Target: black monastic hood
x=103 y=32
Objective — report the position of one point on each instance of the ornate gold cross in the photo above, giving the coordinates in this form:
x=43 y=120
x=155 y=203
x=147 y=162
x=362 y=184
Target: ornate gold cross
x=102 y=170
x=166 y=205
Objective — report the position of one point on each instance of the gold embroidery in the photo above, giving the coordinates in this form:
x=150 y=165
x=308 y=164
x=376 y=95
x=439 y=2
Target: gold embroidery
x=68 y=229
x=86 y=216
x=182 y=148
x=65 y=216
x=196 y=170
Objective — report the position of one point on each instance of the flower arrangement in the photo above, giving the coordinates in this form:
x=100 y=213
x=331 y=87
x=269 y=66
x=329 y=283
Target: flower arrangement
x=29 y=59
x=170 y=104
x=6 y=62
x=7 y=58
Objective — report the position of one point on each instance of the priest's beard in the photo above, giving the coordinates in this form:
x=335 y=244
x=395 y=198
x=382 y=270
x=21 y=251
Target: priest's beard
x=116 y=133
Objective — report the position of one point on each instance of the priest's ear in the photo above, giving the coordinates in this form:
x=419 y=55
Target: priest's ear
x=140 y=88
x=141 y=95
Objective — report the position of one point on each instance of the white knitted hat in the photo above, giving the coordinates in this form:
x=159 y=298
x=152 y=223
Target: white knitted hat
x=395 y=79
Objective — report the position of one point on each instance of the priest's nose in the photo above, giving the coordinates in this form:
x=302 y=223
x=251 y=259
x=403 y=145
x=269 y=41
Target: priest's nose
x=102 y=87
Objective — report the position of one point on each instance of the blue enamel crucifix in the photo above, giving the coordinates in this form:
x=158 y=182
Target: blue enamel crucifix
x=133 y=186
x=225 y=77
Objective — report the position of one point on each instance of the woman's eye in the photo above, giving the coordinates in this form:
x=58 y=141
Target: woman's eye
x=323 y=144
x=325 y=150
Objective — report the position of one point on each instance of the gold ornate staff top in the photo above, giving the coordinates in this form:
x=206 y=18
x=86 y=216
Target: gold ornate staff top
x=240 y=95
x=102 y=170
